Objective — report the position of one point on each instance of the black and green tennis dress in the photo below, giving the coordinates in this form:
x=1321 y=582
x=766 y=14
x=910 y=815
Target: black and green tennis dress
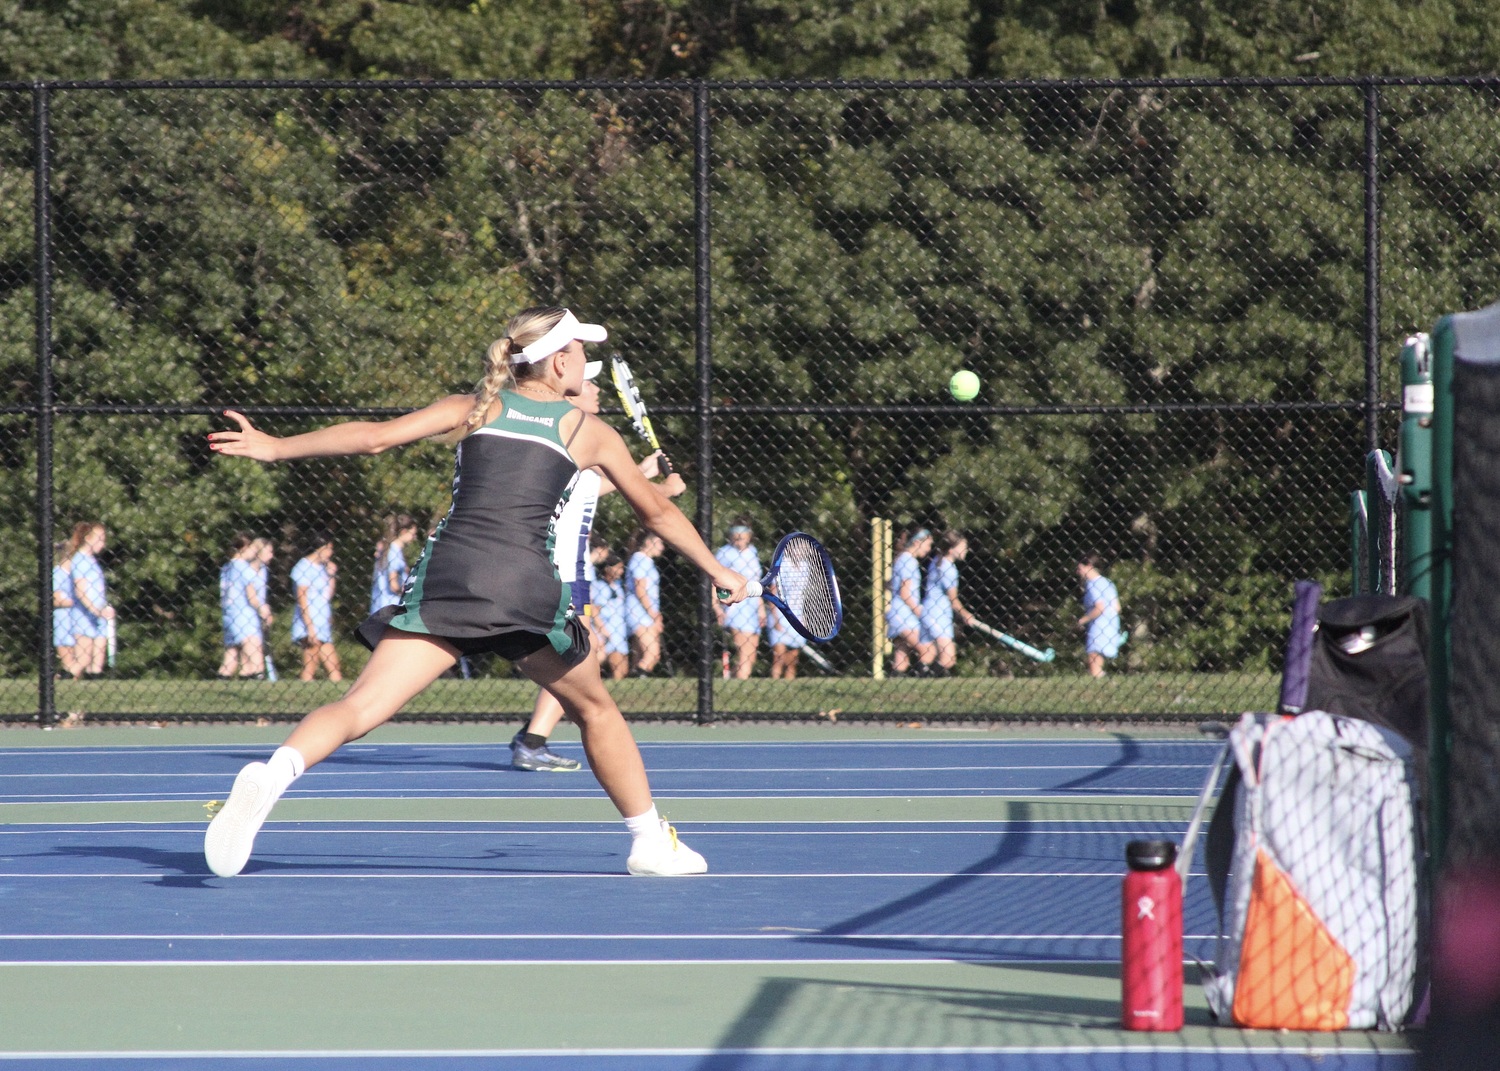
x=485 y=581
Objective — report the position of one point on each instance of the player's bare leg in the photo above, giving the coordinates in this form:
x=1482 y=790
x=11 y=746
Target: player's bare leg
x=615 y=760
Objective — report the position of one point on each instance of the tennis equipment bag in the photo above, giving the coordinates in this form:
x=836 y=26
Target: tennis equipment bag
x=1369 y=661
x=1313 y=860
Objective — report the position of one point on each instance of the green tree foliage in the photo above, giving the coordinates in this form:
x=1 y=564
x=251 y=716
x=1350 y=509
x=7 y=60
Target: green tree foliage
x=1098 y=250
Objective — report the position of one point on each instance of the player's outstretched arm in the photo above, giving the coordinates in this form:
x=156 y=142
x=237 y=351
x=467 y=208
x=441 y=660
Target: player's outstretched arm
x=599 y=444
x=347 y=437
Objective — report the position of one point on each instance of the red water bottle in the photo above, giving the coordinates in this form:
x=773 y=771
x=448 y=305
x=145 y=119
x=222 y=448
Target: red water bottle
x=1151 y=949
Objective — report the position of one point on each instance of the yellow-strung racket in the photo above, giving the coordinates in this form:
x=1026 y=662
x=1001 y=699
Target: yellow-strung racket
x=635 y=406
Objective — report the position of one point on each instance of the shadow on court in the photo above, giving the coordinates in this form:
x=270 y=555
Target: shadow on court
x=188 y=869
x=377 y=758
x=1025 y=1008
x=971 y=903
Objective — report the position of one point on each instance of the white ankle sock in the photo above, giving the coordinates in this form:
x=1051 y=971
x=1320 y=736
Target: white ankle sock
x=286 y=765
x=644 y=826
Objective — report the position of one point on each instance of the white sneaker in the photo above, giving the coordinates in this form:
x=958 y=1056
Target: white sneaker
x=231 y=834
x=665 y=856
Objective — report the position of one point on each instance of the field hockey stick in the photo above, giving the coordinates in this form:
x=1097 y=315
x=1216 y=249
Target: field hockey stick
x=635 y=407
x=1010 y=641
x=806 y=591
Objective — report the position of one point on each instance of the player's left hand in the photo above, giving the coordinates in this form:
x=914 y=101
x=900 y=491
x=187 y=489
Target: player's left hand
x=247 y=442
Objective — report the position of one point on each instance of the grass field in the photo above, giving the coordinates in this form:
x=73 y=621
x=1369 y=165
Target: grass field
x=1133 y=695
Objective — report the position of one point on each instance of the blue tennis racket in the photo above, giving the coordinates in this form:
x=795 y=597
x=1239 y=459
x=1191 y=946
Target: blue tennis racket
x=801 y=584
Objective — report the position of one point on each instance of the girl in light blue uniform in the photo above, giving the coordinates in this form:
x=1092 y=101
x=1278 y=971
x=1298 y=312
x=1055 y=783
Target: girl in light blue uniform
x=312 y=619
x=643 y=600
x=744 y=620
x=608 y=594
x=903 y=614
x=940 y=605
x=91 y=613
x=786 y=644
x=239 y=617
x=62 y=620
x=391 y=569
x=1101 y=615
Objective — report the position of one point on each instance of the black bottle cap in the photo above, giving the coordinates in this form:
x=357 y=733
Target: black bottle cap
x=1150 y=854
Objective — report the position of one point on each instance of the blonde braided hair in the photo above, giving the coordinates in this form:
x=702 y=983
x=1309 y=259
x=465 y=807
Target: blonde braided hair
x=524 y=328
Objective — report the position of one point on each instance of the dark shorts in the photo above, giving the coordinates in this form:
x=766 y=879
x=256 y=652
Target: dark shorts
x=511 y=646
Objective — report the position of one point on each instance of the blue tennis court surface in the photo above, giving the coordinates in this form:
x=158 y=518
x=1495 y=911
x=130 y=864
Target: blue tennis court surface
x=930 y=900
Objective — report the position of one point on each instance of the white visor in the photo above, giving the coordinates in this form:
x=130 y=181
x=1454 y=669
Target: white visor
x=565 y=331
x=592 y=369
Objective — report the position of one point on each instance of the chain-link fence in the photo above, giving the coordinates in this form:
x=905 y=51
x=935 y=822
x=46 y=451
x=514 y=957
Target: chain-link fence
x=1176 y=297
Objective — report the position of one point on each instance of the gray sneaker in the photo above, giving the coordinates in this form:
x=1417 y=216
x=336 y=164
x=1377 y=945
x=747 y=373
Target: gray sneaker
x=539 y=758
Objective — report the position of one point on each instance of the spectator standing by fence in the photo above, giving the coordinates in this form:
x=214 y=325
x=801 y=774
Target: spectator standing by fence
x=1101 y=615
x=786 y=644
x=312 y=618
x=643 y=601
x=609 y=596
x=903 y=614
x=62 y=616
x=941 y=605
x=744 y=620
x=92 y=614
x=244 y=614
x=391 y=569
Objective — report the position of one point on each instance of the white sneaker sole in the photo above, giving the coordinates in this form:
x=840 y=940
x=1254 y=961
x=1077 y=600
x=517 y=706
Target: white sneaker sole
x=674 y=860
x=231 y=835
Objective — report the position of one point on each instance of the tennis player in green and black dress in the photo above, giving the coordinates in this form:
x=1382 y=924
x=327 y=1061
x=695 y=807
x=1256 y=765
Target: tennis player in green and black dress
x=486 y=580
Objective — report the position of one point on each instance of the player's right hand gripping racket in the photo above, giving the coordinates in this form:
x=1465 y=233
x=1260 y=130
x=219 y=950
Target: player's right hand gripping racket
x=807 y=592
x=635 y=407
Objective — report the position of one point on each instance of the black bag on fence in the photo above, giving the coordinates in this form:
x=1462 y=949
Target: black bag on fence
x=1369 y=661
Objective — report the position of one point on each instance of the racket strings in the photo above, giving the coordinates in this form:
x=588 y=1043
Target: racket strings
x=805 y=583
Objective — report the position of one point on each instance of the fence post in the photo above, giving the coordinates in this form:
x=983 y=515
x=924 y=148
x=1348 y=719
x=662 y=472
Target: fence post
x=42 y=281
x=703 y=293
x=1372 y=266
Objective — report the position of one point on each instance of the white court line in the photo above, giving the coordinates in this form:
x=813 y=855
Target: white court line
x=957 y=792
x=716 y=770
x=322 y=829
x=1233 y=1045
x=372 y=872
x=297 y=938
x=501 y=745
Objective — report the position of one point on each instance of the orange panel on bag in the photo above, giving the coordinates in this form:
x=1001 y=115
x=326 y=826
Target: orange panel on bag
x=1293 y=974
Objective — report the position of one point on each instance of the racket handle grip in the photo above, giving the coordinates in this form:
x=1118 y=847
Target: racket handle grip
x=664 y=465
x=752 y=591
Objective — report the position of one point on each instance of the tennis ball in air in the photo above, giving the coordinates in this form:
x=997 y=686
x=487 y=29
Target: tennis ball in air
x=964 y=385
